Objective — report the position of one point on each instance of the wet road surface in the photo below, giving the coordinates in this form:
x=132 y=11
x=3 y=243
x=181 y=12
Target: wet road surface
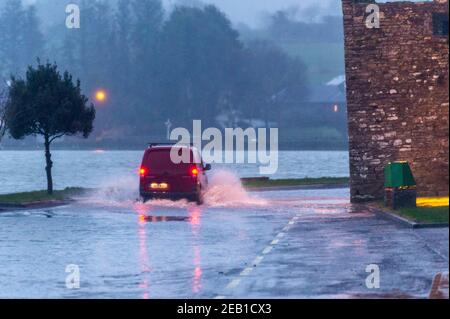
x=285 y=244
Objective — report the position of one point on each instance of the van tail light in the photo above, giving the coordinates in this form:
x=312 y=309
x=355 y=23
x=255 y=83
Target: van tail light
x=143 y=171
x=194 y=171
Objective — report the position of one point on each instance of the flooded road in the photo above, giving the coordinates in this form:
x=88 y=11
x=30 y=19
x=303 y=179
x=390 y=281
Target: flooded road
x=285 y=244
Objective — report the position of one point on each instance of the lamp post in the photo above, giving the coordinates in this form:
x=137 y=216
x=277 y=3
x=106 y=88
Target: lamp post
x=168 y=125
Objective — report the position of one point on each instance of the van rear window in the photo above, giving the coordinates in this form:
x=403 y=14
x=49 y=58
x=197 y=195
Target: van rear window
x=157 y=160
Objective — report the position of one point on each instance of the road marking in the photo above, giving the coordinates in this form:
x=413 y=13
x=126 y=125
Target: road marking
x=234 y=283
x=258 y=260
x=267 y=250
x=246 y=271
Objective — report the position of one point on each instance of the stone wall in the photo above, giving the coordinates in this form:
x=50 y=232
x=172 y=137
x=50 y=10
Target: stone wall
x=398 y=95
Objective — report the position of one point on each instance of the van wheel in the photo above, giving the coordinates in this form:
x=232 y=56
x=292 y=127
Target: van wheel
x=198 y=198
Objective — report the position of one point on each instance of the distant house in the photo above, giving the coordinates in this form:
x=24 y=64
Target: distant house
x=311 y=117
x=330 y=97
x=322 y=105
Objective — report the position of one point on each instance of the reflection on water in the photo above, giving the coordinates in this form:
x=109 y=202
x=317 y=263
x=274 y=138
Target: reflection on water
x=144 y=261
x=194 y=214
x=194 y=218
x=195 y=222
x=197 y=278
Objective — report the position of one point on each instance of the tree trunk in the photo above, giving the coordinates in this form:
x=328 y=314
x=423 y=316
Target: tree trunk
x=48 y=167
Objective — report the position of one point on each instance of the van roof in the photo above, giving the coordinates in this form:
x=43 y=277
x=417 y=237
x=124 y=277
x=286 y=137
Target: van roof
x=155 y=144
x=169 y=146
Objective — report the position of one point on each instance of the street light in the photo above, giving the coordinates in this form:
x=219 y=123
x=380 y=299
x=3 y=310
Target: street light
x=101 y=96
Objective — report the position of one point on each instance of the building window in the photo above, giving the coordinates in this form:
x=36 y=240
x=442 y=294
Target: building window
x=440 y=24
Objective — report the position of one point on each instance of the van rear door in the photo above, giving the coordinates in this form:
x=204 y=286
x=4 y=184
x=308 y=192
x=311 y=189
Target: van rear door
x=161 y=169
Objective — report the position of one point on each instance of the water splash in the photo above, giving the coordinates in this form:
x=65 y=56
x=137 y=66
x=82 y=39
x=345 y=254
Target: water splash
x=224 y=190
x=120 y=191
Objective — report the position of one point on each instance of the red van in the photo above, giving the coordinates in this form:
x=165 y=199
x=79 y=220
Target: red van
x=160 y=177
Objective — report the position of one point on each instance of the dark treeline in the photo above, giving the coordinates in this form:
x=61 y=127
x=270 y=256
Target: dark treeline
x=21 y=40
x=185 y=64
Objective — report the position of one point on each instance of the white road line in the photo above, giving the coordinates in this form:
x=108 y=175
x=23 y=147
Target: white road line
x=258 y=260
x=246 y=271
x=234 y=283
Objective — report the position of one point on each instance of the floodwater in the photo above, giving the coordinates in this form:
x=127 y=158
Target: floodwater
x=24 y=170
x=278 y=244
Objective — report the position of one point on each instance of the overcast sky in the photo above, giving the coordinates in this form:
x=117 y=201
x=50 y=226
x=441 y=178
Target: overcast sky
x=250 y=12
x=254 y=12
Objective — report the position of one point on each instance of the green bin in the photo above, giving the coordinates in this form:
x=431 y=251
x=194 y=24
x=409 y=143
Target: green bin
x=398 y=175
x=400 y=185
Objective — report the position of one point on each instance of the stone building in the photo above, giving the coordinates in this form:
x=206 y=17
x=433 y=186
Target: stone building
x=397 y=93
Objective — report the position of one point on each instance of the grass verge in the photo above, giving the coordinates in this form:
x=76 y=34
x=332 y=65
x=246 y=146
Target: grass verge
x=262 y=183
x=420 y=214
x=425 y=215
x=40 y=196
x=68 y=193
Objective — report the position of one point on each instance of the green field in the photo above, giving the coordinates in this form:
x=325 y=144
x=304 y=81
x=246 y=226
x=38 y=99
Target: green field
x=324 y=61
